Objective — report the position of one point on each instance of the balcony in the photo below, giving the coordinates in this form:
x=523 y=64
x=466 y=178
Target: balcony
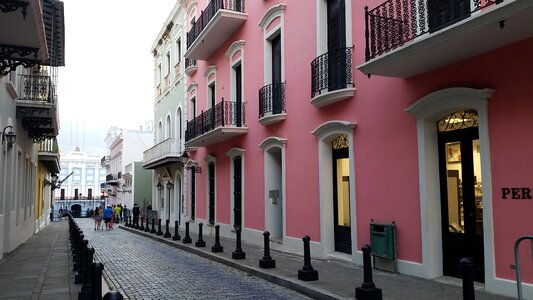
x=35 y=34
x=49 y=155
x=272 y=103
x=224 y=121
x=105 y=161
x=219 y=20
x=190 y=66
x=37 y=107
x=112 y=180
x=405 y=40
x=167 y=152
x=332 y=77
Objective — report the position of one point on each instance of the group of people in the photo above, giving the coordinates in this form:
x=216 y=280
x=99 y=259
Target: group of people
x=110 y=215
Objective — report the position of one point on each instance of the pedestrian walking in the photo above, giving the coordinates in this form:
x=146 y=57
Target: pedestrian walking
x=125 y=213
x=118 y=212
x=108 y=215
x=97 y=219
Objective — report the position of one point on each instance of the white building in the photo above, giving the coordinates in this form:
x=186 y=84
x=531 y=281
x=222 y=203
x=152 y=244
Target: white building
x=123 y=148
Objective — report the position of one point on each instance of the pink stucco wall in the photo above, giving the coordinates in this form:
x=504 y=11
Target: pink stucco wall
x=385 y=139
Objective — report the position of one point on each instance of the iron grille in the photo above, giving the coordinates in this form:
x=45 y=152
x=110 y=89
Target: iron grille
x=395 y=22
x=332 y=71
x=223 y=114
x=272 y=99
x=210 y=11
x=35 y=88
x=189 y=63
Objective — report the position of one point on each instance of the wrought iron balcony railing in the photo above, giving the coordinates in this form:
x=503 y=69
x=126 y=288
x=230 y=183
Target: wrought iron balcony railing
x=189 y=63
x=210 y=11
x=395 y=22
x=332 y=71
x=225 y=113
x=36 y=88
x=272 y=99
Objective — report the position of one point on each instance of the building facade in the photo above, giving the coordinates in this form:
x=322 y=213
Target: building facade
x=124 y=147
x=30 y=53
x=81 y=177
x=378 y=113
x=167 y=157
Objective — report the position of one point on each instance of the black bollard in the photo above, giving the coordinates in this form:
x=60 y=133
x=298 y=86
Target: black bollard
x=267 y=262
x=77 y=251
x=159 y=231
x=307 y=273
x=200 y=242
x=113 y=295
x=217 y=247
x=167 y=232
x=130 y=224
x=368 y=290
x=147 y=228
x=136 y=223
x=153 y=227
x=96 y=277
x=86 y=289
x=238 y=253
x=80 y=276
x=142 y=224
x=176 y=236
x=467 y=270
x=187 y=238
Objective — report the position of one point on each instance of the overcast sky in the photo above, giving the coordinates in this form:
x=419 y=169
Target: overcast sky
x=108 y=77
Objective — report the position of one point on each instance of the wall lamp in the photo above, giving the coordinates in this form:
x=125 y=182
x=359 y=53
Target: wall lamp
x=159 y=187
x=10 y=136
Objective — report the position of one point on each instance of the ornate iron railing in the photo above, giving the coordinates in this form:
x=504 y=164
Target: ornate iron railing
x=395 y=22
x=210 y=11
x=332 y=71
x=225 y=113
x=189 y=63
x=272 y=99
x=36 y=88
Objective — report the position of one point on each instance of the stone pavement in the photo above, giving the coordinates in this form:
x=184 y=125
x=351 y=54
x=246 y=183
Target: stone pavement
x=337 y=278
x=41 y=268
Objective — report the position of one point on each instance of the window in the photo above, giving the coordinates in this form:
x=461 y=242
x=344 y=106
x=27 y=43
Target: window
x=178 y=51
x=168 y=64
x=168 y=128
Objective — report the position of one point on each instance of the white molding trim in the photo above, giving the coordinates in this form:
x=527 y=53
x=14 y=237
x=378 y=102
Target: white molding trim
x=234 y=152
x=324 y=134
x=191 y=87
x=210 y=158
x=234 y=47
x=271 y=13
x=427 y=111
x=210 y=70
x=272 y=141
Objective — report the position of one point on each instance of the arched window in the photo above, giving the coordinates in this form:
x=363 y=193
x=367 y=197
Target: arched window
x=168 y=128
x=159 y=132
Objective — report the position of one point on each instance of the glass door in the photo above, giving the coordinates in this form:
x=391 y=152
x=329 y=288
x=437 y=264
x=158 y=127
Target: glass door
x=461 y=197
x=341 y=195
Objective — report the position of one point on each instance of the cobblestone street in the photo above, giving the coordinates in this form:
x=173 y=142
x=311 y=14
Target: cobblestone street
x=143 y=269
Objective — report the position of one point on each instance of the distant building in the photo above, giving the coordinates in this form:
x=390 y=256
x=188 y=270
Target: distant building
x=123 y=148
x=82 y=174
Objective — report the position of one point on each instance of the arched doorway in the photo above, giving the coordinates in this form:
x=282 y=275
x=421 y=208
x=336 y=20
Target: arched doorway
x=461 y=194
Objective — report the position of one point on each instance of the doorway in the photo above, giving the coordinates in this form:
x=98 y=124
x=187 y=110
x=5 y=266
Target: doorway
x=274 y=193
x=341 y=195
x=461 y=192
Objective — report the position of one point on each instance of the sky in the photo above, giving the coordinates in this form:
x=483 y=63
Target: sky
x=108 y=75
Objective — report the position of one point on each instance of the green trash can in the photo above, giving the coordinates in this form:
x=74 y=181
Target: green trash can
x=383 y=240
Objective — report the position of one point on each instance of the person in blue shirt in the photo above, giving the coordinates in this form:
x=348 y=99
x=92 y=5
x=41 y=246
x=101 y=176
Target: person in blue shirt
x=108 y=213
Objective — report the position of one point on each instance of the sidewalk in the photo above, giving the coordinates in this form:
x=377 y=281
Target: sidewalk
x=337 y=278
x=41 y=268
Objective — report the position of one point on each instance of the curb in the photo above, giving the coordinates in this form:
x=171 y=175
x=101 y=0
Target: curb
x=310 y=291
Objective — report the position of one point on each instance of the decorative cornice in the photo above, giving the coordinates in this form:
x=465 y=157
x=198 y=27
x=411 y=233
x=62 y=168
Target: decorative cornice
x=234 y=47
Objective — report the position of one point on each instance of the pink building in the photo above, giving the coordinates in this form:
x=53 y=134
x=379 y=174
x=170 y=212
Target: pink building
x=319 y=117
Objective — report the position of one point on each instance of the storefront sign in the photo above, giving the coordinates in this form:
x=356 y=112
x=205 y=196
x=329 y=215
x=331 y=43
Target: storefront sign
x=517 y=193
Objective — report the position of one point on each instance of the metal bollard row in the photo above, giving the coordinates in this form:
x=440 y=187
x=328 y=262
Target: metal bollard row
x=89 y=272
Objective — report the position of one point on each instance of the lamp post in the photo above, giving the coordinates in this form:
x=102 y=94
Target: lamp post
x=160 y=189
x=170 y=186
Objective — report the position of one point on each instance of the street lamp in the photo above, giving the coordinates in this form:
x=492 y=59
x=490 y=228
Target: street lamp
x=8 y=136
x=170 y=186
x=160 y=189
